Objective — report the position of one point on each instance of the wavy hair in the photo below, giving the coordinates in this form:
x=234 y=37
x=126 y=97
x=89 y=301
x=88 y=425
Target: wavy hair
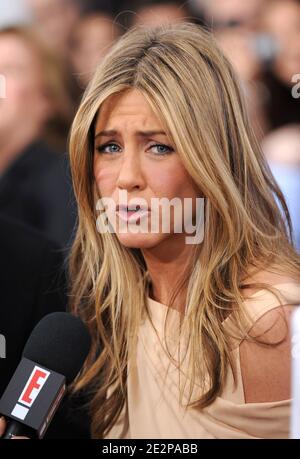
x=192 y=88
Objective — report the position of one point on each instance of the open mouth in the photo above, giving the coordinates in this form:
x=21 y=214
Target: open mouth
x=132 y=213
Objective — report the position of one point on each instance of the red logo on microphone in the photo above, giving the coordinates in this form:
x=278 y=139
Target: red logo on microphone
x=33 y=386
x=31 y=390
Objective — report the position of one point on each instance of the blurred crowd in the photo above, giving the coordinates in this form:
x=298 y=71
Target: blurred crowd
x=49 y=50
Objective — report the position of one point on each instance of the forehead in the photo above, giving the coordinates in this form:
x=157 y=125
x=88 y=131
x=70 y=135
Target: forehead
x=131 y=105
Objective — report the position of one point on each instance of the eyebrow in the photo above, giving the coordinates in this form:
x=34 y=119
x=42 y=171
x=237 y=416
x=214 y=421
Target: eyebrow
x=138 y=133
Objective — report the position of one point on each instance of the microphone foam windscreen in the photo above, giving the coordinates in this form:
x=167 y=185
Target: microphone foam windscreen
x=59 y=342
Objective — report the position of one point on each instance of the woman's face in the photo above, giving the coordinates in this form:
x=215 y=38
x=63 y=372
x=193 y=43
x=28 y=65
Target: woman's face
x=137 y=161
x=92 y=39
x=25 y=105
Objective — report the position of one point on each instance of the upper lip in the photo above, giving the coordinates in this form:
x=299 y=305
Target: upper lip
x=131 y=206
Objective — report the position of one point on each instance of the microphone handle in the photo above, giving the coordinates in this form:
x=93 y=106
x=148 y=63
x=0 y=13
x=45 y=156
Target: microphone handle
x=15 y=428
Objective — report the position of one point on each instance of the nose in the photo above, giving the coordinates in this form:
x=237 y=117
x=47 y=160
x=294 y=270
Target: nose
x=131 y=176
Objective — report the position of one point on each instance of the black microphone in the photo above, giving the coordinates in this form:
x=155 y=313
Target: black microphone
x=52 y=358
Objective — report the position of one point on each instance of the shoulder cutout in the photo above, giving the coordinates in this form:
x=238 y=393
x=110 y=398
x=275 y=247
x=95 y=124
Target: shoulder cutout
x=266 y=370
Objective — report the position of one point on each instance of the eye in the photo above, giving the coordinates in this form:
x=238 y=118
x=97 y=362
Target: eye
x=111 y=148
x=102 y=148
x=163 y=150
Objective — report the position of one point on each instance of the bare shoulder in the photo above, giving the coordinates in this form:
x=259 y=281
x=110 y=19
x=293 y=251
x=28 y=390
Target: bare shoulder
x=266 y=368
x=272 y=276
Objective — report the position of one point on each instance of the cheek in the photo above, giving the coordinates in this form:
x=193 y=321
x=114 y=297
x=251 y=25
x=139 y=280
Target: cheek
x=105 y=177
x=14 y=91
x=172 y=181
x=18 y=91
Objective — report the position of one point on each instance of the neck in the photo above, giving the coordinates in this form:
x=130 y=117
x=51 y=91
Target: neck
x=166 y=264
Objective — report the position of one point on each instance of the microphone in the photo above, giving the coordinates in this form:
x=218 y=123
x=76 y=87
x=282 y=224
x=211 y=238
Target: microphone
x=51 y=359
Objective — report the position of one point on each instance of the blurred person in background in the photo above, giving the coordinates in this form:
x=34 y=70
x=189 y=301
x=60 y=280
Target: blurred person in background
x=228 y=13
x=236 y=27
x=239 y=45
x=153 y=13
x=281 y=21
x=262 y=39
x=54 y=20
x=111 y=7
x=34 y=183
x=282 y=150
x=91 y=39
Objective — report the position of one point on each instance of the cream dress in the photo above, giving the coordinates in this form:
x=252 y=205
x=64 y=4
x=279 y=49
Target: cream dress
x=153 y=409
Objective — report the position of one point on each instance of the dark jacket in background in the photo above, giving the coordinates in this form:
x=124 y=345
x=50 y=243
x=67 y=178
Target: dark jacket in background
x=37 y=190
x=32 y=285
x=281 y=107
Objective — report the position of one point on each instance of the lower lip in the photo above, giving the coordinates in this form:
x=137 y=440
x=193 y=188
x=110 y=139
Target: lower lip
x=132 y=216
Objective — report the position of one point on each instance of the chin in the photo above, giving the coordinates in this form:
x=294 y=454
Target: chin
x=140 y=241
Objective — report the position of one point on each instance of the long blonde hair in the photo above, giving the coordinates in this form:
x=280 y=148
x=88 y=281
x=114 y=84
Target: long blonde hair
x=192 y=88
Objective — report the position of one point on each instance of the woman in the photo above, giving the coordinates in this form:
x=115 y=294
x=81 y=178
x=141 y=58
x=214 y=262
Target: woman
x=189 y=340
x=91 y=39
x=35 y=117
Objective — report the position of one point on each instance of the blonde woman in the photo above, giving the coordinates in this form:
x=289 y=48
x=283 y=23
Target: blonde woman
x=190 y=340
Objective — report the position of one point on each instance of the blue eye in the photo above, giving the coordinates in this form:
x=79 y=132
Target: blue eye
x=163 y=150
x=101 y=148
x=162 y=153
